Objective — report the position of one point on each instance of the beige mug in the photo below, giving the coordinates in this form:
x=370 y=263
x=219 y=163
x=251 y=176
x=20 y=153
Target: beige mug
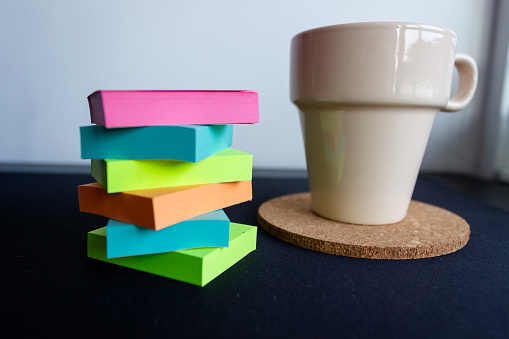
x=368 y=94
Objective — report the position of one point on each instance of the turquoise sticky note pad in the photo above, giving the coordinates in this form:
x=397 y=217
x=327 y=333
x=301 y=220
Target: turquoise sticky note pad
x=191 y=143
x=207 y=230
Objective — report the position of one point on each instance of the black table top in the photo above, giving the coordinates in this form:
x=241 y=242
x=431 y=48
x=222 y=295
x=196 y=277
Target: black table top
x=51 y=287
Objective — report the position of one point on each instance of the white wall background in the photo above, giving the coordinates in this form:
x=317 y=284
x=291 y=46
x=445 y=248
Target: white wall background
x=53 y=54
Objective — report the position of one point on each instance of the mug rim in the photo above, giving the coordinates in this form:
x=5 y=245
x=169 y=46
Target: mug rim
x=375 y=24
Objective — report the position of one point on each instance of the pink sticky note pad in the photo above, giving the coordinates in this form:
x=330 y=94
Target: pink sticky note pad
x=116 y=109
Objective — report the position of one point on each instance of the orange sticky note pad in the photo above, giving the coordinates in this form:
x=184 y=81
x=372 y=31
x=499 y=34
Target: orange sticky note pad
x=162 y=207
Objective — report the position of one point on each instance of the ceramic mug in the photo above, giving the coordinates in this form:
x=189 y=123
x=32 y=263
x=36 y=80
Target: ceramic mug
x=368 y=94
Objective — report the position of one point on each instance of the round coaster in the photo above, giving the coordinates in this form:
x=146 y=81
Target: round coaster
x=427 y=231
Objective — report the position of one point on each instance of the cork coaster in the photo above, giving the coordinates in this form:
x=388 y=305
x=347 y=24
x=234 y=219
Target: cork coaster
x=427 y=231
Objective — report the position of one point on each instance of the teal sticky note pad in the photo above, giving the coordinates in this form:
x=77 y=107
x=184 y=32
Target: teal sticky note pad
x=207 y=230
x=191 y=143
x=196 y=266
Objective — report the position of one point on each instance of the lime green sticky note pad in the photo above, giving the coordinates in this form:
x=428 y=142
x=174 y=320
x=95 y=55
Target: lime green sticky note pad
x=116 y=175
x=195 y=266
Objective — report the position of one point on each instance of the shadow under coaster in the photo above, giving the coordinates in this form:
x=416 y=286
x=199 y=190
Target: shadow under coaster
x=427 y=231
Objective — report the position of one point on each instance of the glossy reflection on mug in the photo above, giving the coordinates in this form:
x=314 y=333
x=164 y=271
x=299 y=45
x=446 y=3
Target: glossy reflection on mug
x=325 y=127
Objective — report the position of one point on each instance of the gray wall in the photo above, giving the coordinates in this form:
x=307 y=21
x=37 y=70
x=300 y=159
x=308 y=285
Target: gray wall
x=55 y=53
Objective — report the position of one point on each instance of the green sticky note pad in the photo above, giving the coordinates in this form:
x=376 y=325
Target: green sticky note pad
x=194 y=266
x=228 y=165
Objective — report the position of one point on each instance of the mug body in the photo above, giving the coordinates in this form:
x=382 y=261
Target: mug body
x=367 y=95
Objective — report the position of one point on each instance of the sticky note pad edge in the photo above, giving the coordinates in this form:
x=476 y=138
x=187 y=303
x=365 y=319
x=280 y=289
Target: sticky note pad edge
x=207 y=230
x=242 y=242
x=159 y=208
x=128 y=175
x=115 y=109
x=176 y=265
x=191 y=143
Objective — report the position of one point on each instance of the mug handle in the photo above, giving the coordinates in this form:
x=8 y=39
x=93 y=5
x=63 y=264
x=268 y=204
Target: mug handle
x=467 y=71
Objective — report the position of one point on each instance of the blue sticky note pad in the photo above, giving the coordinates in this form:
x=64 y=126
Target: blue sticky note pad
x=191 y=143
x=207 y=230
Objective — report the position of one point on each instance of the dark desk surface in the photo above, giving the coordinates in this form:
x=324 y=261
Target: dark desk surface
x=49 y=286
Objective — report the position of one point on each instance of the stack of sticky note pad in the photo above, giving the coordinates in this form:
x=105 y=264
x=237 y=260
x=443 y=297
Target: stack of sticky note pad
x=164 y=171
